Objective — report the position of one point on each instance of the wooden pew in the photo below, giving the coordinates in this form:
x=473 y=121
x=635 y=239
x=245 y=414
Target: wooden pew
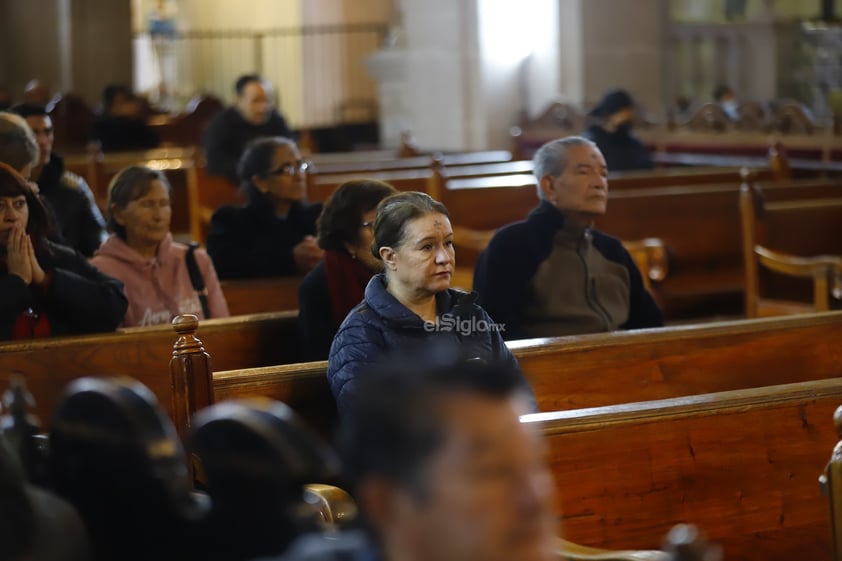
x=700 y=224
x=701 y=227
x=323 y=165
x=603 y=369
x=254 y=296
x=707 y=131
x=785 y=241
x=740 y=464
x=179 y=164
x=187 y=128
x=143 y=353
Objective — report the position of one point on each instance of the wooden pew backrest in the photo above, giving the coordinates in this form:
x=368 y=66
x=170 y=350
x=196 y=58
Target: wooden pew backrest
x=255 y=296
x=799 y=239
x=143 y=353
x=740 y=464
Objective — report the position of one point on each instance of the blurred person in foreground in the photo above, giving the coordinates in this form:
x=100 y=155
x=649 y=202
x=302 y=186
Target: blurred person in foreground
x=443 y=470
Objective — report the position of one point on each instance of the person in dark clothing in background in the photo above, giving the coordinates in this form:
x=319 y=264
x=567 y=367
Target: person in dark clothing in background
x=612 y=133
x=122 y=125
x=410 y=306
x=48 y=289
x=553 y=274
x=337 y=284
x=273 y=234
x=252 y=116
x=77 y=215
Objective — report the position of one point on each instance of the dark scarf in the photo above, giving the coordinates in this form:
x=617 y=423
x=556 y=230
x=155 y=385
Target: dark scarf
x=346 y=281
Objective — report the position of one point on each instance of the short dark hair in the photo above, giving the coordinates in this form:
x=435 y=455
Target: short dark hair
x=110 y=93
x=395 y=212
x=395 y=423
x=258 y=155
x=13 y=184
x=244 y=80
x=339 y=221
x=128 y=185
x=29 y=110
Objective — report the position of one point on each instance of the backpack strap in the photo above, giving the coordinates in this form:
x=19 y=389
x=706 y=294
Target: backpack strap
x=196 y=278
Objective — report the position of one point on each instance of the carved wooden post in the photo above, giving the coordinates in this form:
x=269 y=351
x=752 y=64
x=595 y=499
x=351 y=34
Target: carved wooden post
x=191 y=376
x=435 y=185
x=778 y=162
x=408 y=147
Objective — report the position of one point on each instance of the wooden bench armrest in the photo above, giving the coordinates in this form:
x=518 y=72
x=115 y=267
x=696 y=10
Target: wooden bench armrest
x=825 y=270
x=650 y=256
x=809 y=267
x=335 y=506
x=576 y=552
x=469 y=238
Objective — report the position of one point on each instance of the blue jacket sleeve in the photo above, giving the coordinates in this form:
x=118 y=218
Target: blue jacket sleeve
x=355 y=348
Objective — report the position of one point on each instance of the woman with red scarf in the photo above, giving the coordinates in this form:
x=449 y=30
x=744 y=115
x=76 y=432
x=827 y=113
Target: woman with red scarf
x=48 y=289
x=337 y=284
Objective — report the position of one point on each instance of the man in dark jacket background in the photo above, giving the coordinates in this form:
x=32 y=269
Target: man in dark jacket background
x=252 y=116
x=70 y=199
x=553 y=274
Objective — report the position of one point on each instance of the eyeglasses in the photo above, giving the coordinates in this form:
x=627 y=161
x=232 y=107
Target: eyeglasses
x=291 y=169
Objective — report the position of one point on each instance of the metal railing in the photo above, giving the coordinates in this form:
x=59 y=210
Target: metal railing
x=318 y=72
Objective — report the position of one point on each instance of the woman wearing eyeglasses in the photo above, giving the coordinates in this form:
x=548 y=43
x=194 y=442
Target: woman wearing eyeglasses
x=273 y=234
x=337 y=284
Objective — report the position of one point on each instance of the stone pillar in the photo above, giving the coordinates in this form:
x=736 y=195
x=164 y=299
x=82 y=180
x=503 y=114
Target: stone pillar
x=388 y=68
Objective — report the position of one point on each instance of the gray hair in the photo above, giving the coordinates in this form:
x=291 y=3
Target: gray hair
x=18 y=146
x=551 y=158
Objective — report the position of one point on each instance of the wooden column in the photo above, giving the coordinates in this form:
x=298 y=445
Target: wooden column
x=190 y=373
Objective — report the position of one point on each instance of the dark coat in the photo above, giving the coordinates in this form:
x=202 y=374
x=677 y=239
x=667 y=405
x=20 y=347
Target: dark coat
x=316 y=326
x=251 y=241
x=227 y=136
x=72 y=204
x=621 y=152
x=121 y=134
x=381 y=325
x=505 y=268
x=79 y=299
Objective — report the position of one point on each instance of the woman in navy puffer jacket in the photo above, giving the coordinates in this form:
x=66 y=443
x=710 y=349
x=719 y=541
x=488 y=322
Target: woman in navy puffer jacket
x=411 y=304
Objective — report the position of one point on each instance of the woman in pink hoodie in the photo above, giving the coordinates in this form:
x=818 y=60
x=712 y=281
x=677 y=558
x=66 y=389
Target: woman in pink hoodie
x=141 y=252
